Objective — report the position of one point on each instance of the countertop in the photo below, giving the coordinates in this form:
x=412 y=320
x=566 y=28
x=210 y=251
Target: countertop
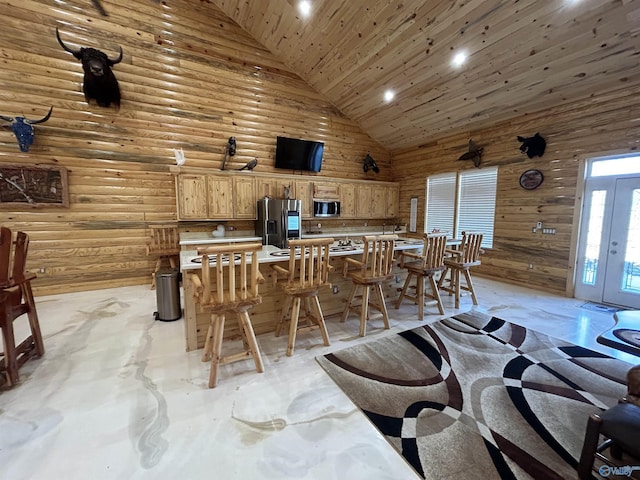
x=265 y=255
x=207 y=238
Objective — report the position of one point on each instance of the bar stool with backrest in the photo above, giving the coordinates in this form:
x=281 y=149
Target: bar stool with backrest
x=164 y=244
x=467 y=255
x=235 y=291
x=619 y=427
x=424 y=265
x=16 y=299
x=371 y=270
x=307 y=273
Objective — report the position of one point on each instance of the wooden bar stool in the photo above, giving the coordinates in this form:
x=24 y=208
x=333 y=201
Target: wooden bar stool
x=422 y=266
x=373 y=269
x=235 y=291
x=16 y=299
x=308 y=272
x=467 y=255
x=163 y=244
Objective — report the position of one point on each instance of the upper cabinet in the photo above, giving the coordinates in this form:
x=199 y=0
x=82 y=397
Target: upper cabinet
x=244 y=194
x=304 y=193
x=227 y=196
x=191 y=192
x=348 y=200
x=215 y=197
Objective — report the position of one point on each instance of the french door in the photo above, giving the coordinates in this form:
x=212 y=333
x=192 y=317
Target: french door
x=608 y=267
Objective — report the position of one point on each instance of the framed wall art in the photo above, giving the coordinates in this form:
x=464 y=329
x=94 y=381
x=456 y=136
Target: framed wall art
x=34 y=186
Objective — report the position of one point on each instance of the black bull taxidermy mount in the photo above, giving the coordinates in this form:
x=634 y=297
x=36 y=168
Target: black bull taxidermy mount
x=100 y=84
x=23 y=129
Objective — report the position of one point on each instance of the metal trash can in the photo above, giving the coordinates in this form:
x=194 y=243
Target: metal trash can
x=168 y=295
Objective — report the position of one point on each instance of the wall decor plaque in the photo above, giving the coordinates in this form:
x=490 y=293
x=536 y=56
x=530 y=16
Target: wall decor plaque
x=531 y=179
x=33 y=186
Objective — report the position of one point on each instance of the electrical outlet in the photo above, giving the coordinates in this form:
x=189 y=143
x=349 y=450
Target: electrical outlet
x=530 y=266
x=397 y=278
x=42 y=270
x=539 y=225
x=335 y=289
x=534 y=230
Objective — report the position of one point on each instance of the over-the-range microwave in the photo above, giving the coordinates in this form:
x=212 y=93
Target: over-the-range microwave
x=326 y=208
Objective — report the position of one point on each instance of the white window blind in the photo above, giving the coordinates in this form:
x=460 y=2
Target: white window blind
x=441 y=197
x=477 y=203
x=474 y=210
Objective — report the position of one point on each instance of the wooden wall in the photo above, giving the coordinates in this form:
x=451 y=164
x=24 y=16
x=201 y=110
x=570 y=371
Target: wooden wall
x=190 y=78
x=593 y=127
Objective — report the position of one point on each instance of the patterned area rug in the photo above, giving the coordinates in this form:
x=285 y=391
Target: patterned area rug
x=476 y=397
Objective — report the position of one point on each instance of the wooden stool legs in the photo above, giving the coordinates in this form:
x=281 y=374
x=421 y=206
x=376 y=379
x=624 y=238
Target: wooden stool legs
x=213 y=345
x=420 y=295
x=364 y=308
x=294 y=302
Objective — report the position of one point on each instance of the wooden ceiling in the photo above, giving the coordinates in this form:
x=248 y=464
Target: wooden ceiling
x=523 y=56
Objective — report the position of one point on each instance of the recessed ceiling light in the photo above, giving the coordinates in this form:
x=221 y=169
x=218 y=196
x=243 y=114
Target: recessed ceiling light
x=459 y=58
x=388 y=95
x=305 y=7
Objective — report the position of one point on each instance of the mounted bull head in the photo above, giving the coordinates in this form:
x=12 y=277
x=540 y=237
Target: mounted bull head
x=23 y=129
x=100 y=83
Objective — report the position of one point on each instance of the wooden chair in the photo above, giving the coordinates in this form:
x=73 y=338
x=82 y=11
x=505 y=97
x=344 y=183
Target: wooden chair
x=16 y=299
x=467 y=255
x=235 y=291
x=307 y=273
x=620 y=429
x=163 y=244
x=374 y=268
x=424 y=265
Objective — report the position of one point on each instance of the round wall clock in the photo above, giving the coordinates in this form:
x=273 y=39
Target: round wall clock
x=531 y=179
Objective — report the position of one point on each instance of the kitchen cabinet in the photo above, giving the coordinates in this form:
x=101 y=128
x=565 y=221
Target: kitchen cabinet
x=304 y=193
x=274 y=187
x=215 y=197
x=192 y=197
x=393 y=201
x=326 y=190
x=363 y=201
x=348 y=200
x=244 y=194
x=201 y=195
x=220 y=197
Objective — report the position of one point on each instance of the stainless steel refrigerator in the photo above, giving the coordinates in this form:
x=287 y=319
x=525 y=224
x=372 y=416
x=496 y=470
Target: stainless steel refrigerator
x=278 y=221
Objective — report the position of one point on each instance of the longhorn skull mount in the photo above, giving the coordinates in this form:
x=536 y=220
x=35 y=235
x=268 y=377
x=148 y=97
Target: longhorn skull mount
x=22 y=128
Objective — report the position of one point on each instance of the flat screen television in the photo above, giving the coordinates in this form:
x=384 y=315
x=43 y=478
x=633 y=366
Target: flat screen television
x=295 y=154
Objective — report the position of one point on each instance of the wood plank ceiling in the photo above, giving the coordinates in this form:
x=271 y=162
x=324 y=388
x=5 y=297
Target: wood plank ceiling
x=523 y=56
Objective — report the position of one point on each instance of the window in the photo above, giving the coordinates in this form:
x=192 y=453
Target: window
x=464 y=201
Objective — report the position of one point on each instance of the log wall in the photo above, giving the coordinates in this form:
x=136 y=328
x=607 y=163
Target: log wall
x=606 y=124
x=190 y=78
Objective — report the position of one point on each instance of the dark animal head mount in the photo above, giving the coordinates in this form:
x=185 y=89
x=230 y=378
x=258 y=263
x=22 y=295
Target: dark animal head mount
x=532 y=146
x=100 y=83
x=23 y=129
x=370 y=164
x=474 y=153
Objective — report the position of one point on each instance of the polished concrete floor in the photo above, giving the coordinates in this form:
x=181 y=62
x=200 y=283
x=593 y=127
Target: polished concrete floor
x=117 y=397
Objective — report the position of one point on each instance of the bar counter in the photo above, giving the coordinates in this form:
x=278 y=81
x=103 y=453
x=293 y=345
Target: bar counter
x=265 y=316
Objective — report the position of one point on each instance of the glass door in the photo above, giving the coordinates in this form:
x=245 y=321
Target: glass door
x=608 y=262
x=622 y=272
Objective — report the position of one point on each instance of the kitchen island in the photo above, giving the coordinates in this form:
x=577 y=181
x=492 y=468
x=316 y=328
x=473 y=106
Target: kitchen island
x=265 y=316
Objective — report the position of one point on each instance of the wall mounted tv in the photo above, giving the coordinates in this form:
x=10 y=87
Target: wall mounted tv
x=295 y=154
